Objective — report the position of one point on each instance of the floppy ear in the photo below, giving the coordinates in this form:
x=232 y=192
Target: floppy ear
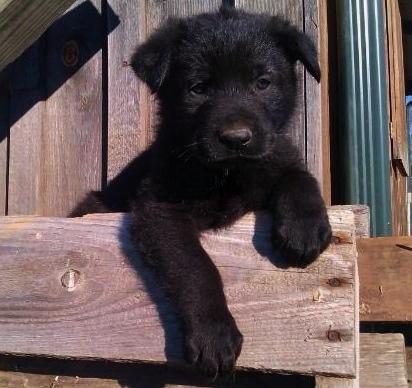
x=151 y=60
x=298 y=46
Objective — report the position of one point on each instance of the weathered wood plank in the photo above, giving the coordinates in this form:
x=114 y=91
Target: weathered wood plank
x=22 y=22
x=128 y=99
x=409 y=365
x=131 y=107
x=297 y=320
x=383 y=363
x=316 y=161
x=4 y=129
x=397 y=113
x=385 y=269
x=335 y=382
x=324 y=33
x=31 y=380
x=292 y=11
x=55 y=138
x=115 y=375
x=72 y=122
x=26 y=113
x=362 y=218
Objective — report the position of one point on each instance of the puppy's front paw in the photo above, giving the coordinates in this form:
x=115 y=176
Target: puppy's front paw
x=301 y=241
x=214 y=345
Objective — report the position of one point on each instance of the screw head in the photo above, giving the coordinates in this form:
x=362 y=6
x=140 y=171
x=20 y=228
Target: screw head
x=70 y=53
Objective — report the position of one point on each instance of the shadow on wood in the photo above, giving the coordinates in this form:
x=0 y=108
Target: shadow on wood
x=54 y=58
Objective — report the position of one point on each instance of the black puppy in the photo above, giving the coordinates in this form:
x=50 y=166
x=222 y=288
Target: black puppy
x=226 y=85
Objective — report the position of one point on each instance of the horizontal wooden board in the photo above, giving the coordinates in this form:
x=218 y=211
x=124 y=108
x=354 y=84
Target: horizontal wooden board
x=382 y=361
x=385 y=270
x=31 y=380
x=74 y=288
x=138 y=376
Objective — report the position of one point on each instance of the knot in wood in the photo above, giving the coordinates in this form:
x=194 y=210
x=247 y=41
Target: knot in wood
x=336 y=240
x=70 y=279
x=334 y=282
x=334 y=336
x=70 y=53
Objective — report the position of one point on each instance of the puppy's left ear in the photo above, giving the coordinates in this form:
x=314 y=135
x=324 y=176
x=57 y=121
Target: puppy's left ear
x=297 y=45
x=151 y=60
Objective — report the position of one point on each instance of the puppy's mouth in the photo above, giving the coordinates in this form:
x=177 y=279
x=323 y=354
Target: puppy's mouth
x=238 y=156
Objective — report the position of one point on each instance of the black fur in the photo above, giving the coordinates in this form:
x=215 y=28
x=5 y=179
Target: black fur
x=226 y=85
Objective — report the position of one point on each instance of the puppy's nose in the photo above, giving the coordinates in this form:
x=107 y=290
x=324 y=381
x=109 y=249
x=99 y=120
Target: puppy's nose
x=235 y=138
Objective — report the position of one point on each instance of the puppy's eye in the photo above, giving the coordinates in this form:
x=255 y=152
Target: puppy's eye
x=262 y=83
x=199 y=88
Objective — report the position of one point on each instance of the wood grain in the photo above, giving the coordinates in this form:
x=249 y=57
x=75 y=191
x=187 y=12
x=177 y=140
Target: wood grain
x=131 y=107
x=72 y=121
x=55 y=147
x=4 y=130
x=382 y=361
x=292 y=11
x=409 y=365
x=26 y=90
x=335 y=382
x=67 y=290
x=141 y=376
x=31 y=380
x=362 y=218
x=397 y=112
x=317 y=163
x=128 y=98
x=325 y=86
x=385 y=269
x=22 y=22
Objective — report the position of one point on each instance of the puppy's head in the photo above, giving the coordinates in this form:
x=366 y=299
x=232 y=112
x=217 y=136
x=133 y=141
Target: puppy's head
x=226 y=81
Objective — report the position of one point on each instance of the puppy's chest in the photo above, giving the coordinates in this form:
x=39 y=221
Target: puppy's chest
x=229 y=201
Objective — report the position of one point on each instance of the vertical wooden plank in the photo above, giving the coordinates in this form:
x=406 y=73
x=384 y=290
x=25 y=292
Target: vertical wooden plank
x=128 y=99
x=131 y=108
x=56 y=104
x=335 y=382
x=4 y=129
x=409 y=365
x=398 y=131
x=383 y=361
x=26 y=127
x=324 y=23
x=72 y=122
x=314 y=135
x=292 y=11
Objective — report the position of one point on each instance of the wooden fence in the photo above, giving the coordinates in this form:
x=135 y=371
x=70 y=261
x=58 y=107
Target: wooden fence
x=72 y=113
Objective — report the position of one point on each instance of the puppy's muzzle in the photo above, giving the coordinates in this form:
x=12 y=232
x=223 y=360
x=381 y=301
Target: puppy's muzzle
x=235 y=137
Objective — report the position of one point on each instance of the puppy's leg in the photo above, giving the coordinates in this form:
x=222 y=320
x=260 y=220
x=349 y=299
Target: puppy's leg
x=301 y=228
x=168 y=240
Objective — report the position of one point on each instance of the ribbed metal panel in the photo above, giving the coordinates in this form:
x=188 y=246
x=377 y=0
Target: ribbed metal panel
x=362 y=109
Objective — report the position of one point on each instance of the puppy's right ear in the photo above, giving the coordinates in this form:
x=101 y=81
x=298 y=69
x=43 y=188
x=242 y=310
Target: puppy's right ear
x=151 y=60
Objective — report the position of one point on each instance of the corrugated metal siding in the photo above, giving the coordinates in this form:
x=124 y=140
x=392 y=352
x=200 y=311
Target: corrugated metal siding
x=362 y=106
